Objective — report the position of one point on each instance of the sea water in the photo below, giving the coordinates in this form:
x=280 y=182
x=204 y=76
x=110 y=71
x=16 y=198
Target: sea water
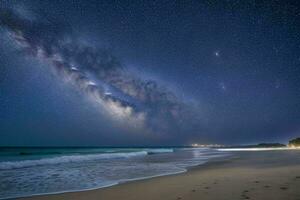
x=33 y=171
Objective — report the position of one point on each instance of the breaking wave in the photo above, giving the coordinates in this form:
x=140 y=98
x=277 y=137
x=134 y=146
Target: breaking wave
x=67 y=159
x=154 y=151
x=78 y=158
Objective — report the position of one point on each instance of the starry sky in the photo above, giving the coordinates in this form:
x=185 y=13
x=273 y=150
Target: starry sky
x=149 y=72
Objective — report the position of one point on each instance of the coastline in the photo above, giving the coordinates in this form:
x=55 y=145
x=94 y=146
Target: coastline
x=248 y=175
x=96 y=188
x=59 y=178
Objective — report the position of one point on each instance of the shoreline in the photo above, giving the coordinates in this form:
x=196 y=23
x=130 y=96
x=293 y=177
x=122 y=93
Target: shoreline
x=96 y=188
x=179 y=170
x=210 y=162
x=255 y=175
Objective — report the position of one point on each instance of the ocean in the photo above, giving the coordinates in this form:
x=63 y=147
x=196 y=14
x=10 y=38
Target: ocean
x=34 y=170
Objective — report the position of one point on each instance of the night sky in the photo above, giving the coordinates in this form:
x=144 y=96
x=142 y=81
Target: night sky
x=149 y=72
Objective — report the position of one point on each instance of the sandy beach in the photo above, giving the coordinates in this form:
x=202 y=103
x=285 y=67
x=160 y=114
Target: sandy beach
x=247 y=175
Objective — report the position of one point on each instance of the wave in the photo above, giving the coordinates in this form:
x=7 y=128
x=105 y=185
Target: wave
x=99 y=175
x=67 y=159
x=37 y=153
x=155 y=151
x=78 y=158
x=179 y=171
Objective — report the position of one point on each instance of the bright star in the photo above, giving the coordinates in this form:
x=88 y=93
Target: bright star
x=217 y=53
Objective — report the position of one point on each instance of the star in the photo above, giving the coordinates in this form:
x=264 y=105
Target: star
x=217 y=53
x=277 y=85
x=222 y=86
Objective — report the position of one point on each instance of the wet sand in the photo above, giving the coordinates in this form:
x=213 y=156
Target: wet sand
x=248 y=175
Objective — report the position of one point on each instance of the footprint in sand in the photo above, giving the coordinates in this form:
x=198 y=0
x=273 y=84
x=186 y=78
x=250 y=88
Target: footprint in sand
x=256 y=181
x=284 y=188
x=193 y=190
x=267 y=186
x=244 y=194
x=207 y=188
x=179 y=198
x=246 y=197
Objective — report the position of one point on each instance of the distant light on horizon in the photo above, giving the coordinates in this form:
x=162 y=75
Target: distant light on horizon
x=206 y=145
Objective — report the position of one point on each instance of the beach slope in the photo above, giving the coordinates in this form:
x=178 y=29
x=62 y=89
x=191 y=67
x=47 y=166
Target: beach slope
x=248 y=175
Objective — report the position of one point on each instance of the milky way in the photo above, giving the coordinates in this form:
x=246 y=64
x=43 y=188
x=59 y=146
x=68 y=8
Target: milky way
x=91 y=69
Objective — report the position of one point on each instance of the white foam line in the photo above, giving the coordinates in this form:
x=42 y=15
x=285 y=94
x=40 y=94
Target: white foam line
x=154 y=176
x=6 y=165
x=99 y=187
x=181 y=170
x=60 y=192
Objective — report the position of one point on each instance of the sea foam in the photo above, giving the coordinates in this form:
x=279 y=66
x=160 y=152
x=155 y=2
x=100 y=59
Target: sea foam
x=67 y=159
x=90 y=168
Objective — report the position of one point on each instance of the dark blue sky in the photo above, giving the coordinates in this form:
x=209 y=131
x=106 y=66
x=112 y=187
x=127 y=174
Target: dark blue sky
x=149 y=72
